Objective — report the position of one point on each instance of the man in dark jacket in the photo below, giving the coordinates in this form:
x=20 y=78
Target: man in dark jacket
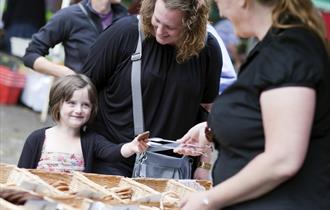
x=76 y=27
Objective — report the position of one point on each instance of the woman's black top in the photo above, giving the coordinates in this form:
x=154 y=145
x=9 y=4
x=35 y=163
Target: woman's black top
x=171 y=92
x=292 y=57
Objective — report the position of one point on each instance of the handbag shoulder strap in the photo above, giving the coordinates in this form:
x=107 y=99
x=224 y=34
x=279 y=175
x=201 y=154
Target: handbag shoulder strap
x=88 y=16
x=138 y=119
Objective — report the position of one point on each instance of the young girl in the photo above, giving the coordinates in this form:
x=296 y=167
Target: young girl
x=69 y=146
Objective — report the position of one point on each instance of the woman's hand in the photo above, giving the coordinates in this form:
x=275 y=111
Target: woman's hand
x=138 y=145
x=202 y=174
x=197 y=201
x=193 y=142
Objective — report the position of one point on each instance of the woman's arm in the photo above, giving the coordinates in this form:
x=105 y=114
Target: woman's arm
x=287 y=115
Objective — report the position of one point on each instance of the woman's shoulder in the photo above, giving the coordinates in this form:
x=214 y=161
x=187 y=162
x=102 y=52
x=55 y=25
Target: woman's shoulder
x=292 y=45
x=292 y=56
x=298 y=40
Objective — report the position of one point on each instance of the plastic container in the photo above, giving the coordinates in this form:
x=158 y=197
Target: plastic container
x=11 y=84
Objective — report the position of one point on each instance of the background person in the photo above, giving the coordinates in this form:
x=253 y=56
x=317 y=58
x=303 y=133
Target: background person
x=179 y=72
x=22 y=18
x=228 y=75
x=68 y=146
x=76 y=31
x=225 y=29
x=272 y=126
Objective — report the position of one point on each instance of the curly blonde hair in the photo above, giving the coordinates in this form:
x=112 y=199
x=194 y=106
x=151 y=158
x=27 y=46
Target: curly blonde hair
x=192 y=40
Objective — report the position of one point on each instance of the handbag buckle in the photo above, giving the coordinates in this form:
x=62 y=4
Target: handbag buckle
x=136 y=56
x=142 y=157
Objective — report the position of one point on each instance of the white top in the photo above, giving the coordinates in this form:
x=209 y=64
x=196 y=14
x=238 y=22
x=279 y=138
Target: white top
x=228 y=74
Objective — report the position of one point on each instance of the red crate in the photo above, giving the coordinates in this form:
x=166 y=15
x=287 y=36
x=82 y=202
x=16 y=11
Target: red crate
x=11 y=84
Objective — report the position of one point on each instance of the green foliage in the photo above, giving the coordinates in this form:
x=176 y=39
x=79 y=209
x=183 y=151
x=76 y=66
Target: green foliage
x=214 y=13
x=126 y=2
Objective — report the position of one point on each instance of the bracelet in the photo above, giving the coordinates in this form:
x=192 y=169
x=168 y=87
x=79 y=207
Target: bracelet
x=204 y=165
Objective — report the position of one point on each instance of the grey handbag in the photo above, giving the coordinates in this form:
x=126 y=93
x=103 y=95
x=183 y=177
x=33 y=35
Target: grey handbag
x=156 y=165
x=150 y=163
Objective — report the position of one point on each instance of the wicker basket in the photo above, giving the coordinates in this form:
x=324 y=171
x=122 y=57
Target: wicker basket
x=168 y=201
x=73 y=201
x=103 y=180
x=207 y=184
x=198 y=185
x=51 y=177
x=165 y=185
x=26 y=180
x=18 y=176
x=108 y=182
x=14 y=190
x=141 y=192
x=70 y=202
x=57 y=180
x=142 y=207
x=5 y=205
x=5 y=170
x=86 y=188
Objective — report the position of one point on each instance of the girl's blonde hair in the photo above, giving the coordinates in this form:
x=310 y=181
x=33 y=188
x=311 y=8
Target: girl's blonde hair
x=192 y=40
x=62 y=90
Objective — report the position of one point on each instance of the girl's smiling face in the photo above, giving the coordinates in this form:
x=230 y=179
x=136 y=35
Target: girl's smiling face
x=76 y=111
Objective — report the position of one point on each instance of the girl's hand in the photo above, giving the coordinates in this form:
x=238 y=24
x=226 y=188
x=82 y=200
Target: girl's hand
x=138 y=145
x=140 y=142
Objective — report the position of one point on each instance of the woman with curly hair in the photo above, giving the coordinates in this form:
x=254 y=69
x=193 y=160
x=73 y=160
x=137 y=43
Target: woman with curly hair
x=180 y=71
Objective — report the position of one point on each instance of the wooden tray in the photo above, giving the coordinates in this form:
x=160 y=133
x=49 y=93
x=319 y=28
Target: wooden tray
x=5 y=205
x=26 y=180
x=111 y=183
x=58 y=180
x=5 y=170
x=165 y=185
x=86 y=188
